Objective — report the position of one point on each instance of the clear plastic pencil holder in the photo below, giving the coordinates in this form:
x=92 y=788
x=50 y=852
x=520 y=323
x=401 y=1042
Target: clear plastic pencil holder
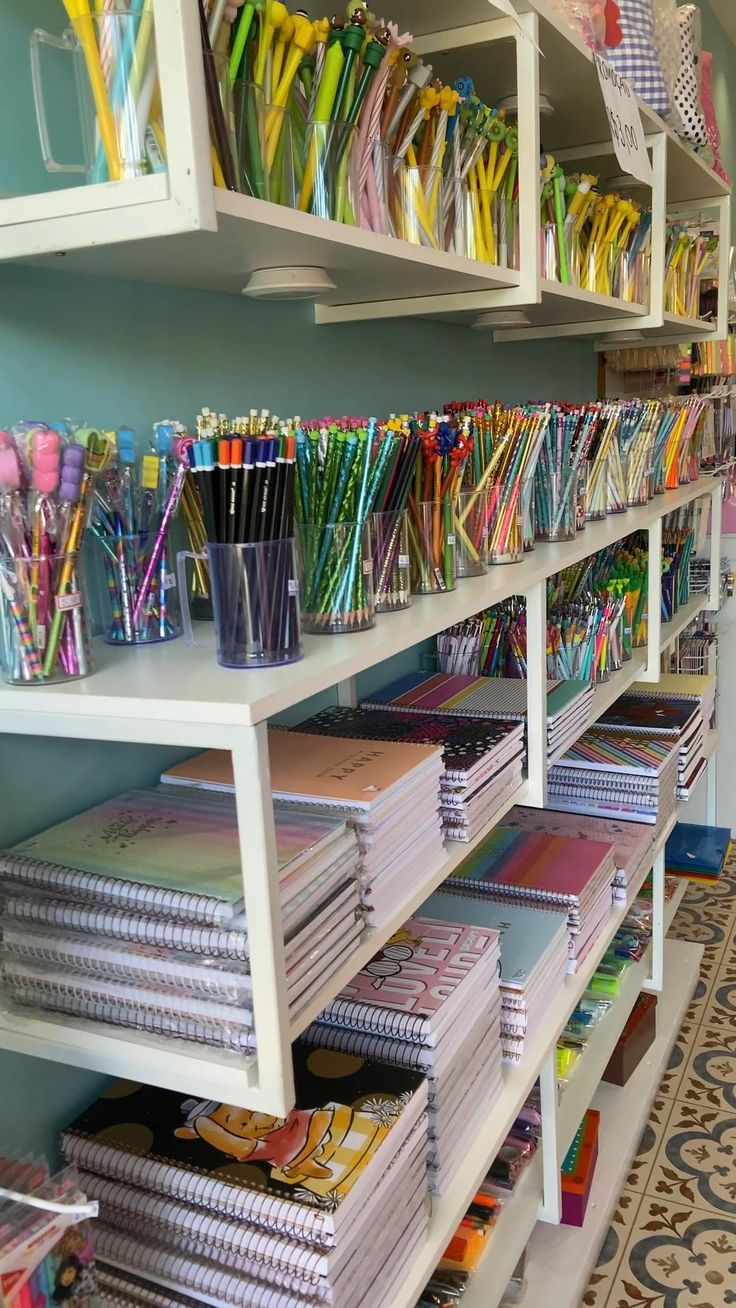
x=631 y=276
x=329 y=185
x=529 y=514
x=138 y=589
x=471 y=221
x=432 y=546
x=250 y=126
x=471 y=533
x=416 y=204
x=372 y=164
x=509 y=502
x=44 y=630
x=596 y=487
x=391 y=561
x=336 y=565
x=114 y=90
x=556 y=495
x=255 y=603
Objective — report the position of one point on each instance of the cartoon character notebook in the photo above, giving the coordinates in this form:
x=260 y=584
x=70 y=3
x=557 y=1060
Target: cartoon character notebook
x=288 y=1175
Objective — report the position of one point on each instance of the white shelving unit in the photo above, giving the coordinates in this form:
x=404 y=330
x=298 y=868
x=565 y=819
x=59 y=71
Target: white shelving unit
x=211 y=239
x=175 y=228
x=171 y=695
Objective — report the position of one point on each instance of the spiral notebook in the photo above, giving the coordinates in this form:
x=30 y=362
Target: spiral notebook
x=406 y=986
x=305 y=1173
x=537 y=867
x=657 y=715
x=631 y=841
x=162 y=852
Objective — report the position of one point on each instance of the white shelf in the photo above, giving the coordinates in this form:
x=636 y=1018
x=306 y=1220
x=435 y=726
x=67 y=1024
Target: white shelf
x=170 y=694
x=561 y=1258
x=682 y=619
x=449 y=1208
x=254 y=234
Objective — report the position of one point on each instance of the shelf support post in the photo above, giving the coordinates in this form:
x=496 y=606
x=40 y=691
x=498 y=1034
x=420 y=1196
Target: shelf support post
x=716 y=526
x=551 y=1207
x=654 y=583
x=257 y=838
x=536 y=693
x=347 y=692
x=655 y=981
x=184 y=105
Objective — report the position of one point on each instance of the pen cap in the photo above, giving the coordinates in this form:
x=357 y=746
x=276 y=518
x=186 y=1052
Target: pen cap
x=10 y=476
x=45 y=459
x=164 y=433
x=126 y=445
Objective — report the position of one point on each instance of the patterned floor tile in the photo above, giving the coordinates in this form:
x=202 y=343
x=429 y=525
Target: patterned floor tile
x=711 y=927
x=670 y=1083
x=699 y=1002
x=709 y=1078
x=651 y=1139
x=719 y=1010
x=678 y=1256
x=696 y=1159
x=611 y=1251
x=723 y=895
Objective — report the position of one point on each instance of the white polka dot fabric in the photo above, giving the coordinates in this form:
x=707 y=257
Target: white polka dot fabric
x=687 y=89
x=667 y=41
x=636 y=58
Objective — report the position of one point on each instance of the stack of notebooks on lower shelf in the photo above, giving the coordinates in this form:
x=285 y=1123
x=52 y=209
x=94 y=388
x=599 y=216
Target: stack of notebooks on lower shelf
x=629 y=778
x=372 y=785
x=700 y=689
x=323 y=1206
x=482 y=760
x=543 y=871
x=663 y=717
x=131 y=914
x=568 y=702
x=632 y=842
x=430 y=1000
x=534 y=958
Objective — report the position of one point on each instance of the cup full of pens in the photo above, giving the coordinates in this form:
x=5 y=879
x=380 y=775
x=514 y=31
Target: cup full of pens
x=112 y=48
x=244 y=481
x=46 y=476
x=135 y=504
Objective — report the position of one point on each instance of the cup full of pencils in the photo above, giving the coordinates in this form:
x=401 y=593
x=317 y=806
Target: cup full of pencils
x=255 y=603
x=137 y=611
x=509 y=506
x=249 y=117
x=33 y=590
x=471 y=532
x=391 y=561
x=432 y=545
x=337 y=577
x=415 y=203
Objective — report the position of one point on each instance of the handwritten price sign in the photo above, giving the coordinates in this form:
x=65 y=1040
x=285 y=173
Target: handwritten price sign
x=624 y=120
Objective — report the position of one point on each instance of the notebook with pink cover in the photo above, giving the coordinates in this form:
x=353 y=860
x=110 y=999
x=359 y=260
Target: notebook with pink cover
x=403 y=990
x=532 y=865
x=630 y=840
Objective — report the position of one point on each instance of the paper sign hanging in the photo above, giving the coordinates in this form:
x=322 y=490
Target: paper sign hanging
x=624 y=120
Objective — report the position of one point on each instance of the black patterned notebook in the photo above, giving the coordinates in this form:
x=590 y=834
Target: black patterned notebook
x=649 y=714
x=287 y=1175
x=467 y=743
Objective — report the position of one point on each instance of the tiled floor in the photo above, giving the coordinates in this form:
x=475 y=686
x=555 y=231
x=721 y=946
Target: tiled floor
x=672 y=1243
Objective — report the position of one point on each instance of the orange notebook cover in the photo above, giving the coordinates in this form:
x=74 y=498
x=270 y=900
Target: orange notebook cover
x=320 y=769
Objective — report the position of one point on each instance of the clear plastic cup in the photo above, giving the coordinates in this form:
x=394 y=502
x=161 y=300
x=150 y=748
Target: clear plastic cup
x=391 y=561
x=138 y=587
x=336 y=577
x=432 y=546
x=44 y=630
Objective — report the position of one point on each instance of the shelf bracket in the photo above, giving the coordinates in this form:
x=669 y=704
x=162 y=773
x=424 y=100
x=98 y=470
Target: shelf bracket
x=551 y=1206
x=257 y=838
x=655 y=981
x=347 y=692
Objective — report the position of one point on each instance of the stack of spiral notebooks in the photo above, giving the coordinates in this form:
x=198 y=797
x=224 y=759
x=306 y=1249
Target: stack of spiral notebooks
x=429 y=1000
x=617 y=775
x=239 y=1207
x=543 y=871
x=131 y=914
x=664 y=717
x=568 y=702
x=632 y=842
x=482 y=759
x=371 y=785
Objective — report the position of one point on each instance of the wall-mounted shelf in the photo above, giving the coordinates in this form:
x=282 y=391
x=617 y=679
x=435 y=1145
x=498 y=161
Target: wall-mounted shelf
x=212 y=240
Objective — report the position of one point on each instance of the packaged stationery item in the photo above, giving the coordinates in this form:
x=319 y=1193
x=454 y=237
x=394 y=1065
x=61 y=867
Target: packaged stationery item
x=578 y=1170
x=636 y=1038
x=46 y=480
x=47 y=1250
